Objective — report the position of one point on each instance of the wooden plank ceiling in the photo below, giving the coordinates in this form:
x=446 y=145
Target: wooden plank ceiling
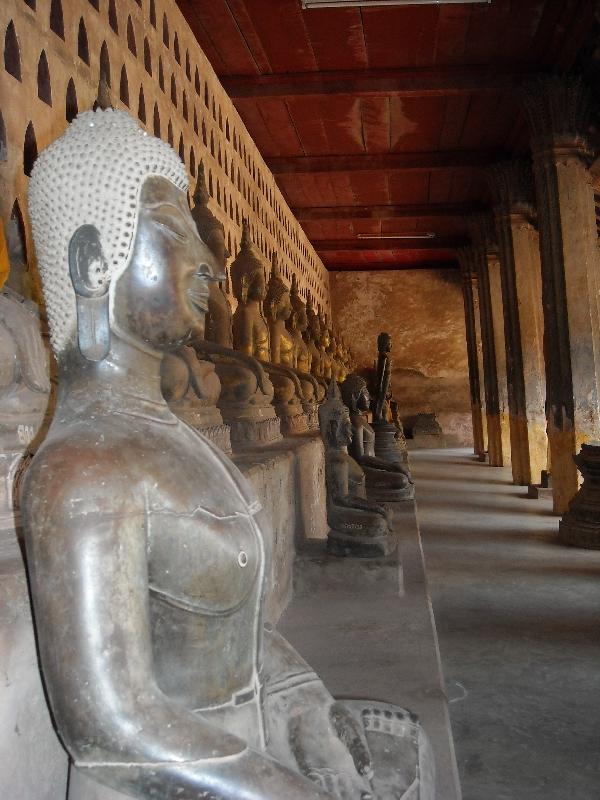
x=380 y=121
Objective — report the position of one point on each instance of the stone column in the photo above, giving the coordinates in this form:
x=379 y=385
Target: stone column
x=558 y=111
x=494 y=368
x=469 y=286
x=512 y=187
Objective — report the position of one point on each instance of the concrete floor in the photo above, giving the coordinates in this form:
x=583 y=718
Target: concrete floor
x=518 y=621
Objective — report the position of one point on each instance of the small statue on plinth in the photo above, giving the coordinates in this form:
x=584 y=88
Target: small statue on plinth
x=312 y=337
x=251 y=334
x=246 y=393
x=284 y=353
x=313 y=391
x=146 y=546
x=357 y=526
x=390 y=443
x=580 y=526
x=387 y=481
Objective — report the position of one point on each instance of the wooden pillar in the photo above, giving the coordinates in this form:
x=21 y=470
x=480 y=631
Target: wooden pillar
x=558 y=111
x=512 y=187
x=469 y=286
x=497 y=309
x=494 y=370
x=477 y=313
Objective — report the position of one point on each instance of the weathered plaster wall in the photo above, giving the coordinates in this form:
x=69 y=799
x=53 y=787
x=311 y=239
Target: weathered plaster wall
x=157 y=71
x=423 y=312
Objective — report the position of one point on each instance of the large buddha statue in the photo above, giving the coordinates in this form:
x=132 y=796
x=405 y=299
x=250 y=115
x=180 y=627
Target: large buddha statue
x=390 y=443
x=386 y=481
x=145 y=545
x=357 y=526
x=246 y=393
x=251 y=334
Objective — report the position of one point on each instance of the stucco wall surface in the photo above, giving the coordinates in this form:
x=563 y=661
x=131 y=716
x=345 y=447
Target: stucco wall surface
x=423 y=311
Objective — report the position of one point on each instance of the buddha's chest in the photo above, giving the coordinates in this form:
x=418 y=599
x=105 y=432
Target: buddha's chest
x=204 y=547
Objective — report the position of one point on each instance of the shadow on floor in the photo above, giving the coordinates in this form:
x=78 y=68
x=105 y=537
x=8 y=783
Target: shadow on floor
x=519 y=630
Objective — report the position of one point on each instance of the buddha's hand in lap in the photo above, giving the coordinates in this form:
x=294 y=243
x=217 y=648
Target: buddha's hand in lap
x=331 y=750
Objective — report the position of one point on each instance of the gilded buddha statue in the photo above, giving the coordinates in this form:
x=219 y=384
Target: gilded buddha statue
x=145 y=544
x=313 y=390
x=312 y=337
x=252 y=334
x=246 y=393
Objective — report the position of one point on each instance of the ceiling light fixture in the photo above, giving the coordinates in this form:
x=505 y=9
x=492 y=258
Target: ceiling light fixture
x=427 y=235
x=366 y=3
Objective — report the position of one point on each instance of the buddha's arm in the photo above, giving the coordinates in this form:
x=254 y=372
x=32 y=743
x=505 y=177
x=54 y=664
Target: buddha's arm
x=279 y=368
x=388 y=466
x=204 y=347
x=87 y=551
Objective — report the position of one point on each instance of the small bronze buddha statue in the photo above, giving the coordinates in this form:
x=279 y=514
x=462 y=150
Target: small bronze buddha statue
x=325 y=348
x=390 y=443
x=312 y=390
x=357 y=526
x=246 y=393
x=312 y=337
x=145 y=545
x=251 y=334
x=387 y=481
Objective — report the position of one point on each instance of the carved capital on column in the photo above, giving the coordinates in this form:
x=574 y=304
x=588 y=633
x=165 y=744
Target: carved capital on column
x=483 y=231
x=512 y=188
x=558 y=109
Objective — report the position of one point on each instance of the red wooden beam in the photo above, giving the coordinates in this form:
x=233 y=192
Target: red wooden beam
x=390 y=243
x=362 y=267
x=431 y=211
x=405 y=162
x=423 y=82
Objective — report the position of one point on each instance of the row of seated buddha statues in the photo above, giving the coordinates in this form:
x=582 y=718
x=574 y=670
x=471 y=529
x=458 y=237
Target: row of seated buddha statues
x=259 y=373
x=146 y=547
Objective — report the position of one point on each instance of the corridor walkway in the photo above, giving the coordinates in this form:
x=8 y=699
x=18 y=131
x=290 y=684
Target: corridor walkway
x=518 y=620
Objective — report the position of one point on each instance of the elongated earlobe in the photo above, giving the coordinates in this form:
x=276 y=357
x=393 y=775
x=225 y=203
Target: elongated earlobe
x=91 y=280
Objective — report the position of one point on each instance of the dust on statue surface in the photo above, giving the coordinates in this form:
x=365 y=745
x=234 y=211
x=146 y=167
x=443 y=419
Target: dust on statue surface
x=145 y=545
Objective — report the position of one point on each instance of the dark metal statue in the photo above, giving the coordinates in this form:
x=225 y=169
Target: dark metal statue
x=146 y=547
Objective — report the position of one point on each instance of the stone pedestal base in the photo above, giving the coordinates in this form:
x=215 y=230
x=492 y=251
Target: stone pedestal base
x=252 y=425
x=208 y=422
x=311 y=411
x=389 y=445
x=580 y=526
x=360 y=544
x=292 y=420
